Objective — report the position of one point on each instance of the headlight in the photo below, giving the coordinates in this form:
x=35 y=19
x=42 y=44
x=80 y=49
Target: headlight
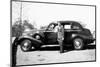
x=37 y=37
x=37 y=31
x=31 y=34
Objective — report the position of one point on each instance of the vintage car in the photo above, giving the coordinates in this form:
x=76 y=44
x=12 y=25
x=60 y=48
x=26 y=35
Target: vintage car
x=74 y=35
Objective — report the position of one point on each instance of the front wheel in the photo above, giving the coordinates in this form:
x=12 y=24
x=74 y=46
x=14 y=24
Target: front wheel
x=26 y=45
x=78 y=43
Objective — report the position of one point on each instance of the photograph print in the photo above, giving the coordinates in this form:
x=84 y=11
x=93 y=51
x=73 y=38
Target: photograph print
x=52 y=33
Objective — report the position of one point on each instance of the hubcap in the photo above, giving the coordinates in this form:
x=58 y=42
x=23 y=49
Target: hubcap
x=26 y=46
x=78 y=44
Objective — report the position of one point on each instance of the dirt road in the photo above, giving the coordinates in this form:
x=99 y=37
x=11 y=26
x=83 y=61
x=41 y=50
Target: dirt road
x=52 y=55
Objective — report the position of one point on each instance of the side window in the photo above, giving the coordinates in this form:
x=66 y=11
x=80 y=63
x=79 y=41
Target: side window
x=67 y=26
x=75 y=27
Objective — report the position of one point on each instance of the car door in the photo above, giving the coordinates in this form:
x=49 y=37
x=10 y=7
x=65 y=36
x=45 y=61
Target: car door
x=67 y=33
x=50 y=35
x=70 y=29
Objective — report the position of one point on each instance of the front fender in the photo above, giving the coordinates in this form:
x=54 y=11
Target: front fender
x=30 y=38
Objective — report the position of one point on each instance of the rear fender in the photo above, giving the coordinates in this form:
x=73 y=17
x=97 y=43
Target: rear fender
x=77 y=36
x=86 y=39
x=82 y=36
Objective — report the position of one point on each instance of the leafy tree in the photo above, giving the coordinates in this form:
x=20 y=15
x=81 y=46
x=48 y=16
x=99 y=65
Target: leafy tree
x=17 y=29
x=29 y=25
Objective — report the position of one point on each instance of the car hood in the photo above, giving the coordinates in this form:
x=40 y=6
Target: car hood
x=32 y=32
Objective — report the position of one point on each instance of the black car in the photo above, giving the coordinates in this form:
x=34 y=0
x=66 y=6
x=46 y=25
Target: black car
x=74 y=35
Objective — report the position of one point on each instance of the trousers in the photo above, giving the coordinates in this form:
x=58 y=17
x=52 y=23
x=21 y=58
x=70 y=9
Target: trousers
x=61 y=46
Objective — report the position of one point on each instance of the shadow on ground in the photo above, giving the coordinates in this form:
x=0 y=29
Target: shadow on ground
x=66 y=48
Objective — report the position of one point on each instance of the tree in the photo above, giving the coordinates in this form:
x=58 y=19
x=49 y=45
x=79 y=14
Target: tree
x=29 y=25
x=17 y=29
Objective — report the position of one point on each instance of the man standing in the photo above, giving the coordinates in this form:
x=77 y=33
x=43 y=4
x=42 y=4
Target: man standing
x=60 y=37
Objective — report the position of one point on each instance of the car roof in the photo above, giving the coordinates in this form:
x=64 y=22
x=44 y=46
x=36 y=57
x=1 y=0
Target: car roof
x=68 y=22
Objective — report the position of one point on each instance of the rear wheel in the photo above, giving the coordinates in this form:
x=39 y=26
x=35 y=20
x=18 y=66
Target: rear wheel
x=26 y=45
x=78 y=43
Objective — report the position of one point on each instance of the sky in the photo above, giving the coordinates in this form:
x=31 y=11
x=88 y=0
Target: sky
x=41 y=14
